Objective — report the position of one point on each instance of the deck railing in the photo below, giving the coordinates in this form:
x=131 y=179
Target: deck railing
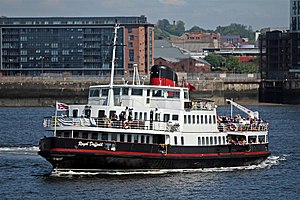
x=60 y=121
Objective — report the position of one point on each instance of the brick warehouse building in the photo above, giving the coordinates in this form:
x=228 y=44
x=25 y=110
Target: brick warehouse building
x=32 y=46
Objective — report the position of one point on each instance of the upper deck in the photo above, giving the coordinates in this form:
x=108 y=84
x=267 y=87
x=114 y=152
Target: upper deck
x=140 y=96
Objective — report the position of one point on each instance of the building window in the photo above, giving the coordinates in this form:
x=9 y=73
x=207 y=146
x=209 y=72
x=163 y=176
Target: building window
x=131 y=55
x=182 y=140
x=131 y=37
x=175 y=140
x=130 y=44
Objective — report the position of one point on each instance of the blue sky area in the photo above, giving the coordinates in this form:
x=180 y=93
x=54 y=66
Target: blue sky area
x=207 y=14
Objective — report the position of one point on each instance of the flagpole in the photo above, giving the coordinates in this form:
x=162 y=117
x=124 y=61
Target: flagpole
x=55 y=118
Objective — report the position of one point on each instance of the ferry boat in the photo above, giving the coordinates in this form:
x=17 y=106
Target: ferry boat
x=151 y=127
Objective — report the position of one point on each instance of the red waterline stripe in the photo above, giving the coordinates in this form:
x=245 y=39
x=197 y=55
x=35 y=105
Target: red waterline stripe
x=155 y=154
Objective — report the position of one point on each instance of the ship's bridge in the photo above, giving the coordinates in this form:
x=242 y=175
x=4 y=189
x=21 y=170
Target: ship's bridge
x=140 y=96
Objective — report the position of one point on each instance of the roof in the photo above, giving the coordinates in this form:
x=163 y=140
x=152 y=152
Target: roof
x=164 y=49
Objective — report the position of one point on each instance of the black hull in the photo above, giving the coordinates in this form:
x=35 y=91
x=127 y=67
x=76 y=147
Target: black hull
x=66 y=154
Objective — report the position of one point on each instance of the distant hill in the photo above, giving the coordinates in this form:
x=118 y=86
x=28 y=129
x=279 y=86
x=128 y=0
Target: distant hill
x=166 y=30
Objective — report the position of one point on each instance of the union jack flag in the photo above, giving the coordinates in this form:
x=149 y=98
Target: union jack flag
x=61 y=106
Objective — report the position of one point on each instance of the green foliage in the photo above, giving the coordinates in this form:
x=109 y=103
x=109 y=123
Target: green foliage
x=215 y=60
x=164 y=29
x=232 y=63
x=198 y=29
x=172 y=29
x=236 y=29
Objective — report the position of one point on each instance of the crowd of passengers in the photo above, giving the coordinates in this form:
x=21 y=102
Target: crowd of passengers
x=239 y=123
x=121 y=121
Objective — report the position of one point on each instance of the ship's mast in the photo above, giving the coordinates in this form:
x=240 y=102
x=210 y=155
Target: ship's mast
x=111 y=92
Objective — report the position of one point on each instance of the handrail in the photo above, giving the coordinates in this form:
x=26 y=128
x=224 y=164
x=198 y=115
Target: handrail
x=61 y=121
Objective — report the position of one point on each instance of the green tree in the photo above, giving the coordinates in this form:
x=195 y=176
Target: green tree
x=232 y=64
x=215 y=60
x=237 y=29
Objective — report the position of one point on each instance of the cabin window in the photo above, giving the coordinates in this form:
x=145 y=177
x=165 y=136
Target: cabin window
x=173 y=94
x=104 y=136
x=166 y=117
x=84 y=135
x=201 y=119
x=207 y=141
x=58 y=134
x=209 y=119
x=148 y=139
x=117 y=91
x=224 y=140
x=182 y=140
x=157 y=117
x=210 y=140
x=101 y=113
x=148 y=93
x=214 y=119
x=203 y=140
x=114 y=137
x=205 y=118
x=252 y=139
x=189 y=119
x=66 y=134
x=194 y=119
x=111 y=113
x=198 y=121
x=184 y=118
x=95 y=136
x=219 y=140
x=175 y=140
x=75 y=113
x=142 y=139
x=135 y=138
x=75 y=134
x=137 y=92
x=104 y=92
x=136 y=115
x=94 y=93
x=145 y=116
x=175 y=117
x=125 y=91
x=157 y=93
x=141 y=116
x=261 y=138
x=199 y=140
x=215 y=140
x=87 y=112
x=121 y=137
x=128 y=138
x=186 y=95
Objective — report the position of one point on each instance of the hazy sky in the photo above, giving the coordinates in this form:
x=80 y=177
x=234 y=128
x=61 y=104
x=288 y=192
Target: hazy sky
x=207 y=14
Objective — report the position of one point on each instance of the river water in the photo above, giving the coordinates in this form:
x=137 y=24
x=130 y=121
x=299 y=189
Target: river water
x=25 y=175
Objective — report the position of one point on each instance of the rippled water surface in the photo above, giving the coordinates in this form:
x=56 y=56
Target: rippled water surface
x=25 y=175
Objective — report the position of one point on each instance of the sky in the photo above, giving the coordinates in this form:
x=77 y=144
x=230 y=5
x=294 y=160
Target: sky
x=207 y=14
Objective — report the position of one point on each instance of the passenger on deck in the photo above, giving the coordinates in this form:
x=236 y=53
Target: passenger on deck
x=122 y=116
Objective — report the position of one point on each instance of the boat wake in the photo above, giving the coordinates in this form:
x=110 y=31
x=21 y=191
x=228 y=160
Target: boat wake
x=268 y=163
x=28 y=150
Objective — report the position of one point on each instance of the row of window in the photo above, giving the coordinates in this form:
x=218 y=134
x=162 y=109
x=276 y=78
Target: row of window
x=199 y=119
x=96 y=92
x=135 y=138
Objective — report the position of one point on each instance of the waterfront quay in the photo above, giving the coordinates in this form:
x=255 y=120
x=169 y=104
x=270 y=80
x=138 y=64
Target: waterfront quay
x=45 y=90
